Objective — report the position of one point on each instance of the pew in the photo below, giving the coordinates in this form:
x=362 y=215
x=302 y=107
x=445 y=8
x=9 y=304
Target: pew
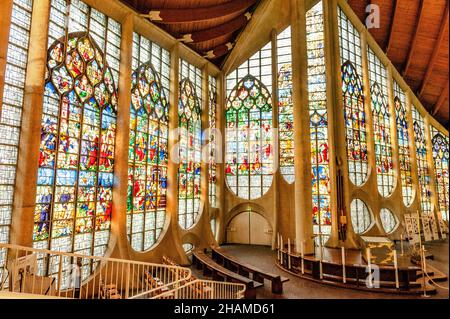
x=244 y=269
x=220 y=273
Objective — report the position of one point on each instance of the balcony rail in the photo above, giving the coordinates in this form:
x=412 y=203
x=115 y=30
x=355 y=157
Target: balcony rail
x=65 y=275
x=206 y=290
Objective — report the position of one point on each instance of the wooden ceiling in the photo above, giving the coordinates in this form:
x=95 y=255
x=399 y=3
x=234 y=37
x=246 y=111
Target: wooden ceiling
x=414 y=35
x=210 y=27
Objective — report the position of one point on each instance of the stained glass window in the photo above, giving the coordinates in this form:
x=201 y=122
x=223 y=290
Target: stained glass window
x=353 y=95
x=422 y=163
x=11 y=113
x=403 y=144
x=249 y=149
x=148 y=150
x=361 y=217
x=286 y=106
x=76 y=163
x=317 y=87
x=440 y=155
x=388 y=220
x=190 y=124
x=381 y=124
x=212 y=141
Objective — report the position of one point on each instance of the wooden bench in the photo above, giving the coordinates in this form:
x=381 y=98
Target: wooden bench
x=244 y=269
x=220 y=273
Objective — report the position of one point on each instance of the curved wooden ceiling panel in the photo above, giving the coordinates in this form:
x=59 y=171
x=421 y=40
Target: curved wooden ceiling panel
x=414 y=35
x=210 y=27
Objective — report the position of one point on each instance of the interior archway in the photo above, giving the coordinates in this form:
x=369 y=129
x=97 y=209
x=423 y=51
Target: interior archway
x=249 y=228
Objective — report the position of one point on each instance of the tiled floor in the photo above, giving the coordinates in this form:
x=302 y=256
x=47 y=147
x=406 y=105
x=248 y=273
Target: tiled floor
x=297 y=288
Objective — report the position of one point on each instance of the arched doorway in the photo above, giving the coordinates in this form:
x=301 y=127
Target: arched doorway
x=249 y=228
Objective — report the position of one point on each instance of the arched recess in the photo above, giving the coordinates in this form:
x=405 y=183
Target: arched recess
x=263 y=231
x=249 y=149
x=147 y=159
x=249 y=228
x=76 y=162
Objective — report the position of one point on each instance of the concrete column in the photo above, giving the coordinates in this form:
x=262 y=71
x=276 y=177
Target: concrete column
x=336 y=114
x=398 y=191
x=28 y=159
x=329 y=29
x=221 y=178
x=204 y=185
x=275 y=136
x=172 y=169
x=5 y=21
x=303 y=193
x=120 y=190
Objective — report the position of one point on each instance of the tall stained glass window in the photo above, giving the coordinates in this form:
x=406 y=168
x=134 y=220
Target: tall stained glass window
x=440 y=156
x=361 y=217
x=286 y=106
x=212 y=141
x=403 y=144
x=76 y=163
x=11 y=113
x=422 y=163
x=249 y=149
x=190 y=124
x=353 y=95
x=381 y=124
x=317 y=87
x=148 y=150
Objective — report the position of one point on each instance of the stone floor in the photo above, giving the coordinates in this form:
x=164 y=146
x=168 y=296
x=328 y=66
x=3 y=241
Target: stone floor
x=296 y=288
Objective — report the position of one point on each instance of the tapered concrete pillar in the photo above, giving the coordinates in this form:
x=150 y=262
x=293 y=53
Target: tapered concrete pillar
x=329 y=30
x=302 y=193
x=204 y=196
x=398 y=190
x=275 y=137
x=220 y=157
x=120 y=190
x=172 y=168
x=339 y=143
x=28 y=159
x=5 y=21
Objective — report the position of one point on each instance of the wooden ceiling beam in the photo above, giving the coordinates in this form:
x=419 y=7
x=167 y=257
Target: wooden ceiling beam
x=415 y=39
x=437 y=49
x=217 y=32
x=442 y=98
x=392 y=27
x=191 y=15
x=219 y=51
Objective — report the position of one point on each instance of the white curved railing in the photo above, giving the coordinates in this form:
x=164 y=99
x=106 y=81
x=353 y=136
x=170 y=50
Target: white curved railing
x=206 y=290
x=55 y=274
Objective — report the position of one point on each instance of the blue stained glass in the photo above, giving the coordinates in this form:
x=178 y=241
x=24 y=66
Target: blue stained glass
x=66 y=178
x=87 y=178
x=105 y=179
x=45 y=176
